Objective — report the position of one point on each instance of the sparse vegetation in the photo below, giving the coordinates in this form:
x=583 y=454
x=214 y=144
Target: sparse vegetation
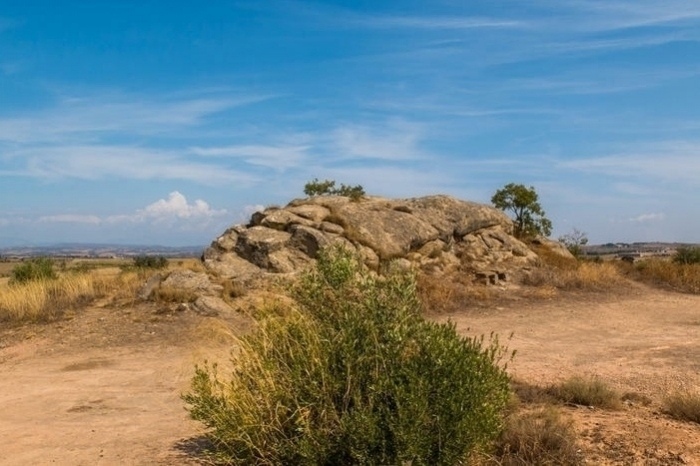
x=681 y=277
x=574 y=242
x=328 y=188
x=684 y=405
x=523 y=202
x=40 y=268
x=587 y=392
x=353 y=376
x=539 y=437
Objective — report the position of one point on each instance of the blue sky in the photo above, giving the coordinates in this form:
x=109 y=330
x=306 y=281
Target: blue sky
x=154 y=122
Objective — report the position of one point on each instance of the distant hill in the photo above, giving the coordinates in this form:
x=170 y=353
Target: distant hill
x=100 y=250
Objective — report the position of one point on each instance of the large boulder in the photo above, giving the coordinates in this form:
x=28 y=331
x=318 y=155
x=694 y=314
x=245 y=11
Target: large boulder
x=435 y=233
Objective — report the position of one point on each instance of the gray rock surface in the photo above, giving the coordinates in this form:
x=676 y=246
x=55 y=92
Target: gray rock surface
x=434 y=233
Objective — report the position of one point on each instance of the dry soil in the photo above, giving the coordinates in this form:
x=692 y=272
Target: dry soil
x=103 y=386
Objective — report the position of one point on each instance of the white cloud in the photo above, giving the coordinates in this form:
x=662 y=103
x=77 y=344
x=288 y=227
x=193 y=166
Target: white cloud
x=651 y=217
x=176 y=206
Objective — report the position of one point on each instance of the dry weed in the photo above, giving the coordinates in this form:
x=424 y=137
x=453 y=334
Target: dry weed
x=541 y=437
x=684 y=405
x=445 y=293
x=587 y=392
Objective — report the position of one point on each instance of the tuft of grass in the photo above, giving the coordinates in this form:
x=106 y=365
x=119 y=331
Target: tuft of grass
x=170 y=294
x=540 y=437
x=684 y=406
x=587 y=392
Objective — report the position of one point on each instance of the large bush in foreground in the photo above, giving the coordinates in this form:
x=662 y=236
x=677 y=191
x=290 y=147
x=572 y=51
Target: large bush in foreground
x=353 y=376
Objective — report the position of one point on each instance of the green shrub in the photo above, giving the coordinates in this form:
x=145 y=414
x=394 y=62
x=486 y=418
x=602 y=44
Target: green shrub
x=40 y=268
x=353 y=376
x=150 y=262
x=687 y=255
x=327 y=188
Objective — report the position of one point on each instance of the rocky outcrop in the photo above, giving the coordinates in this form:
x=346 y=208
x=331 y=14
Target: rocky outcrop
x=434 y=233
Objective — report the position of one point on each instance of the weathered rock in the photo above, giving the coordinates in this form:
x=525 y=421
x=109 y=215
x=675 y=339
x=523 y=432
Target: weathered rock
x=257 y=243
x=150 y=286
x=554 y=246
x=435 y=233
x=211 y=306
x=315 y=213
x=282 y=220
x=191 y=281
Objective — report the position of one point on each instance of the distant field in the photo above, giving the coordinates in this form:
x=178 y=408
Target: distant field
x=6 y=268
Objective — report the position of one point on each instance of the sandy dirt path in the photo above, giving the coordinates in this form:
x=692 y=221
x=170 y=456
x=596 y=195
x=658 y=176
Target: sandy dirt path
x=103 y=388
x=643 y=341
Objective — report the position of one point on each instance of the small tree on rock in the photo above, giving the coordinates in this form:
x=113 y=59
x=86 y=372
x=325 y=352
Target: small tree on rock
x=327 y=188
x=523 y=202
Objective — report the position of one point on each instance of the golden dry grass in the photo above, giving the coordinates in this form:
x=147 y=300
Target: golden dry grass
x=42 y=300
x=681 y=277
x=448 y=293
x=684 y=405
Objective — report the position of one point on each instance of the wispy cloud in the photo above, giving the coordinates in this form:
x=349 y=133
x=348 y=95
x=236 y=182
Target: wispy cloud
x=92 y=162
x=438 y=22
x=650 y=217
x=70 y=218
x=96 y=116
x=393 y=141
x=671 y=162
x=278 y=157
x=626 y=14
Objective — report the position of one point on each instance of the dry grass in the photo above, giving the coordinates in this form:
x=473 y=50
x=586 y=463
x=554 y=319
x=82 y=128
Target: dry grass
x=171 y=294
x=44 y=300
x=587 y=392
x=449 y=293
x=41 y=300
x=581 y=275
x=540 y=437
x=684 y=406
x=681 y=277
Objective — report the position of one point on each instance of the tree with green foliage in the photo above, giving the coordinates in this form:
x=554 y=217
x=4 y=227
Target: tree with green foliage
x=686 y=255
x=574 y=242
x=39 y=268
x=327 y=188
x=353 y=374
x=523 y=202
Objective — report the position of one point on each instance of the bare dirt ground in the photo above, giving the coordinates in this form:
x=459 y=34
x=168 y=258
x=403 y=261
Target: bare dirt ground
x=103 y=387
x=641 y=340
